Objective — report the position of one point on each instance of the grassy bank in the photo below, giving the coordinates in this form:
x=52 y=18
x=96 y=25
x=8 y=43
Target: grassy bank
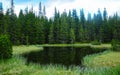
x=108 y=58
x=24 y=49
x=17 y=65
x=76 y=45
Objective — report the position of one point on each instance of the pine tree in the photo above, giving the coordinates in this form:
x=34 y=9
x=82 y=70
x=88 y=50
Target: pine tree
x=56 y=26
x=26 y=10
x=6 y=21
x=116 y=33
x=69 y=20
x=94 y=26
x=44 y=11
x=12 y=8
x=30 y=28
x=63 y=33
x=21 y=27
x=75 y=23
x=105 y=28
x=51 y=35
x=71 y=33
x=40 y=34
x=47 y=24
x=81 y=34
x=82 y=18
x=40 y=10
x=1 y=19
x=12 y=26
x=105 y=15
x=71 y=37
x=83 y=26
x=90 y=28
x=98 y=26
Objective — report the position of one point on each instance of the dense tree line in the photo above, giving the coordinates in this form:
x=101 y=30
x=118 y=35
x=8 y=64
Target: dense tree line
x=27 y=28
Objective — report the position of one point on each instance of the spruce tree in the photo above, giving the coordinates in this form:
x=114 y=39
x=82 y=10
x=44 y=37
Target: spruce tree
x=105 y=28
x=21 y=27
x=6 y=21
x=56 y=26
x=98 y=25
x=71 y=37
x=82 y=18
x=75 y=23
x=63 y=33
x=12 y=27
x=1 y=19
x=51 y=35
x=116 y=33
x=90 y=27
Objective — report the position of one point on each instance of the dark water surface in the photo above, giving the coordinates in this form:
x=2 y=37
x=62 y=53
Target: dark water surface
x=61 y=55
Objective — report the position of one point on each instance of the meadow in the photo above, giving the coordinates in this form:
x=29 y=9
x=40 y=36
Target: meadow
x=105 y=63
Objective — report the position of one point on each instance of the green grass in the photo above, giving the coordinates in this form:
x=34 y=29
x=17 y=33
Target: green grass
x=63 y=45
x=108 y=58
x=24 y=49
x=76 y=45
x=17 y=65
x=101 y=46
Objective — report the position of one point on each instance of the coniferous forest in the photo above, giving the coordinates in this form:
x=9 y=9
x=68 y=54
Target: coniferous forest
x=29 y=28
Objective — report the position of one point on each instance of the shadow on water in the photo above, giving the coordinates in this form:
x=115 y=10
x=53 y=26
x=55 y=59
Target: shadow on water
x=61 y=55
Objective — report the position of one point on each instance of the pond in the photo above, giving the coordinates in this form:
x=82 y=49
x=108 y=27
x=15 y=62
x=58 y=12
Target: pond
x=66 y=56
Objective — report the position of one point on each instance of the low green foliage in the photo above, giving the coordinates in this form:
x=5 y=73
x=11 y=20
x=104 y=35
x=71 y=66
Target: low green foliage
x=5 y=47
x=115 y=45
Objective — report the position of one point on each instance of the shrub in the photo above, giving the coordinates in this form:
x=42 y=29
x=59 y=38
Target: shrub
x=115 y=45
x=5 y=47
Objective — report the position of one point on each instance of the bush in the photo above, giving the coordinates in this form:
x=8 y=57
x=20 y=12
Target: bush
x=115 y=45
x=5 y=47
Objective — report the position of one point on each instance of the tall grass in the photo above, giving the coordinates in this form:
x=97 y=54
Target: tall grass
x=102 y=71
x=17 y=66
